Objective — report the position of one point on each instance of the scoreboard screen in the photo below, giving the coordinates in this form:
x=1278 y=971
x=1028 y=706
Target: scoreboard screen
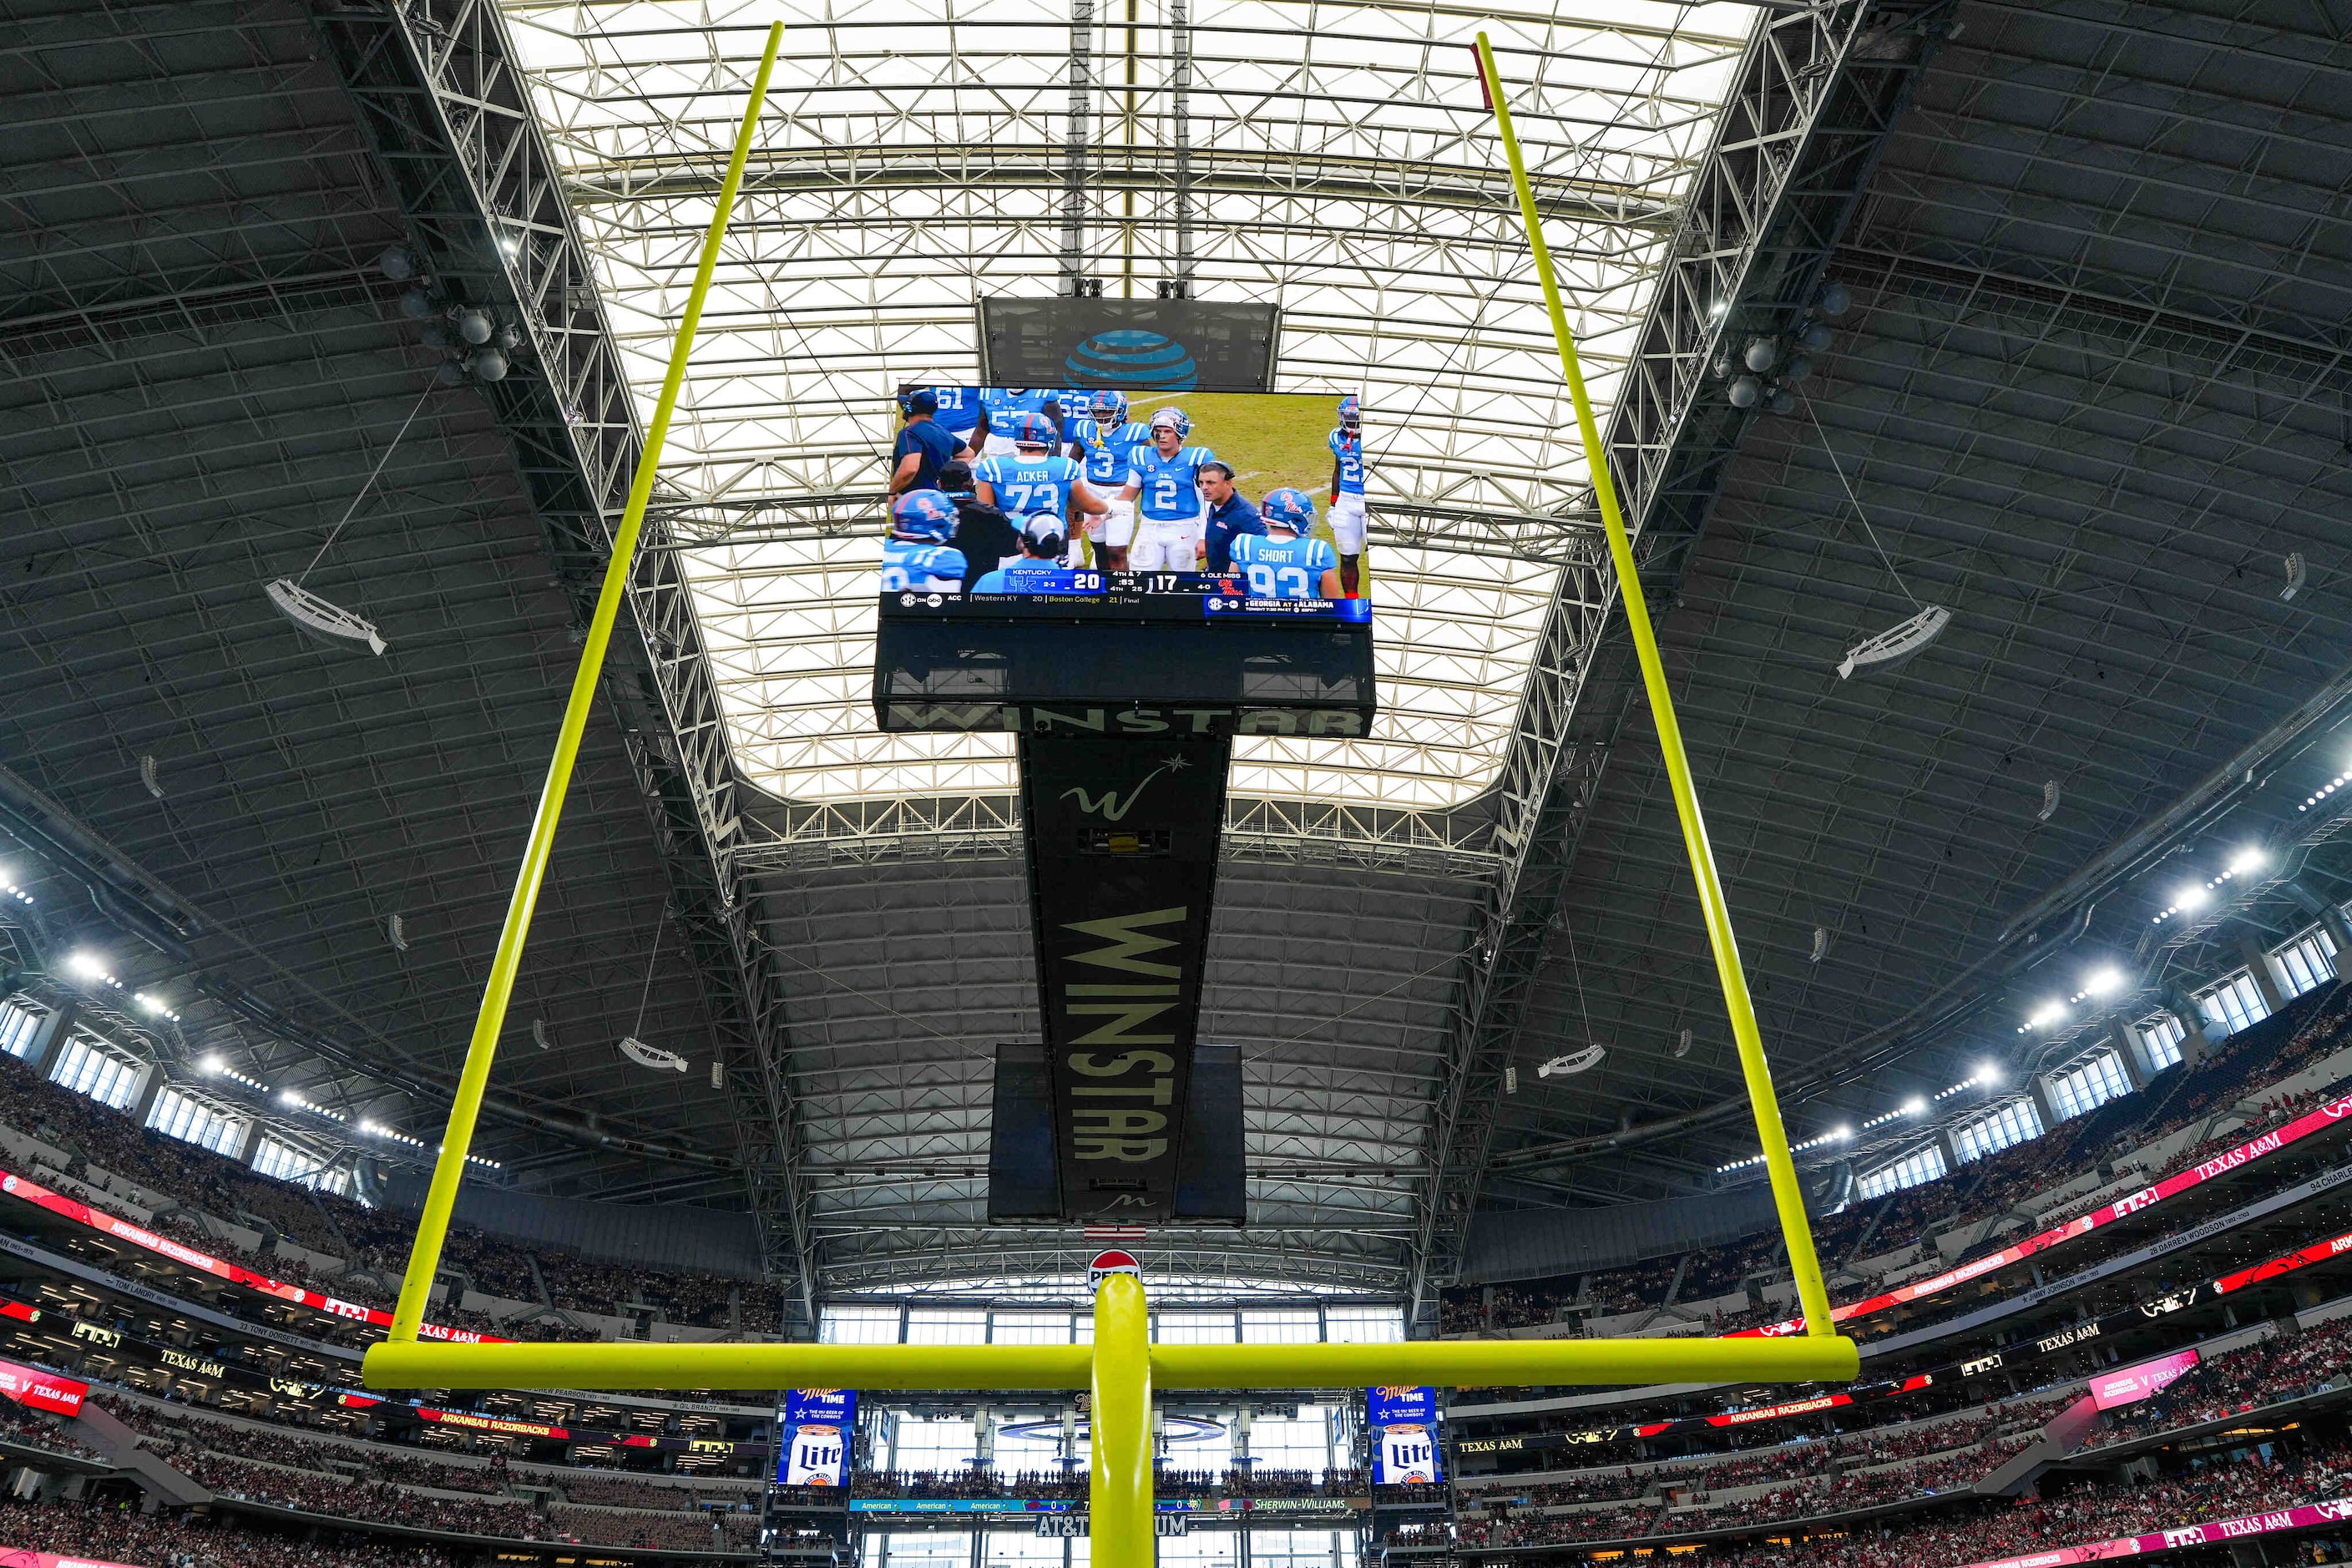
x=1080 y=502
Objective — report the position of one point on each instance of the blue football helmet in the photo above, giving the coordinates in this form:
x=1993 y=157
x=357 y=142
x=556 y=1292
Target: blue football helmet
x=1351 y=412
x=1175 y=416
x=923 y=514
x=1034 y=430
x=1290 y=508
x=1109 y=410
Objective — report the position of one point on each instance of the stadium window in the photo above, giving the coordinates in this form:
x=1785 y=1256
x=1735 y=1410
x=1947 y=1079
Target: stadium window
x=858 y=1326
x=1029 y=1329
x=1364 y=1325
x=1288 y=1443
x=946 y=1326
x=2086 y=1086
x=926 y=1548
x=2004 y=1128
x=1280 y=1329
x=1194 y=1328
x=20 y=1023
x=945 y=1443
x=190 y=1119
x=1924 y=1165
x=275 y=1157
x=2159 y=1041
x=2233 y=1004
x=2309 y=960
x=89 y=1066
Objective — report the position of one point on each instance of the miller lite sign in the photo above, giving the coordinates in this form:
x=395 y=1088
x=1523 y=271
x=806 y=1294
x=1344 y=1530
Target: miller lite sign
x=1107 y=1264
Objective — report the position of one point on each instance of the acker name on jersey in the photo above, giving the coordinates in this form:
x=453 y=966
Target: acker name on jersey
x=1347 y=447
x=910 y=564
x=1031 y=486
x=1283 y=568
x=1110 y=453
x=1169 y=489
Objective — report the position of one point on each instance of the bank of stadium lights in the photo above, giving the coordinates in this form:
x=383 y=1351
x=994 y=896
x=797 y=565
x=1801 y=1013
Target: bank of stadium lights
x=1914 y=1106
x=8 y=886
x=2190 y=897
x=155 y=1006
x=300 y=1103
x=1834 y=1135
x=2330 y=787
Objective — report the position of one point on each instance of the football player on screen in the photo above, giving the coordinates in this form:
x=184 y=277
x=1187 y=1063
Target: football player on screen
x=1347 y=442
x=1036 y=481
x=1164 y=481
x=916 y=557
x=1287 y=561
x=1040 y=568
x=1105 y=441
x=1000 y=408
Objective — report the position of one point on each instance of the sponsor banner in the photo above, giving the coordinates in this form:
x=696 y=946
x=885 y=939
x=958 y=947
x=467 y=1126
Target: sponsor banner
x=2130 y=1385
x=501 y=1425
x=1407 y=1456
x=815 y=1440
x=2204 y=1171
x=40 y=1390
x=1393 y=1406
x=188 y=1256
x=2331 y=1513
x=996 y=1505
x=26 y=1557
x=830 y=1406
x=1123 y=845
x=2317 y=1252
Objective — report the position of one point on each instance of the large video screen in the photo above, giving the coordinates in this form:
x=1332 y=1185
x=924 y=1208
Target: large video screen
x=1069 y=502
x=1403 y=1426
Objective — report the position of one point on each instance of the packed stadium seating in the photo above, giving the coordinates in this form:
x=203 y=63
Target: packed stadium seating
x=173 y=1172
x=116 y=1532
x=2275 y=1048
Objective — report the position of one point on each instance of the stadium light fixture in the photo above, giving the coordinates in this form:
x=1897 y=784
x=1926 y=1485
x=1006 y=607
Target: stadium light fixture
x=1914 y=1106
x=87 y=964
x=2104 y=982
x=1988 y=1074
x=2249 y=858
x=2190 y=897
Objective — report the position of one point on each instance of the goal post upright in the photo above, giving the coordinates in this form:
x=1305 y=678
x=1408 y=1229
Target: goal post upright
x=457 y=1142
x=1788 y=1197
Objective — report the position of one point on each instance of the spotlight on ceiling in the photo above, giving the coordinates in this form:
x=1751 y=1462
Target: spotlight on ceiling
x=2049 y=1013
x=2191 y=897
x=2249 y=858
x=87 y=964
x=2104 y=982
x=1988 y=1074
x=1914 y=1106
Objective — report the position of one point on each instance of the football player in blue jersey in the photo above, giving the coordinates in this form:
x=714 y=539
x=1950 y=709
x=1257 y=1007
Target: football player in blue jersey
x=1040 y=568
x=1287 y=561
x=1105 y=441
x=1164 y=482
x=917 y=558
x=956 y=409
x=1000 y=408
x=1036 y=481
x=1347 y=443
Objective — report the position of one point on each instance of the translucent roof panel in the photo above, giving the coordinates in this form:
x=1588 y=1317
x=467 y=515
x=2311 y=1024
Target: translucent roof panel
x=914 y=157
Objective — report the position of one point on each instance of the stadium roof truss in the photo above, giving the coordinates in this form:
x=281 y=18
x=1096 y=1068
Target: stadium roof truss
x=1339 y=164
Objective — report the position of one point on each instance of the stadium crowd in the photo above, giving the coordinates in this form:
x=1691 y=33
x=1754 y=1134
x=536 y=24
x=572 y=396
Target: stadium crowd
x=2260 y=1374
x=171 y=1174
x=2087 y=1512
x=115 y=1531
x=2275 y=1048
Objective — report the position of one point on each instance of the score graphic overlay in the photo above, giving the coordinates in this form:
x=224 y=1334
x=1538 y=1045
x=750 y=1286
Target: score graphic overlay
x=1404 y=1425
x=818 y=1424
x=1119 y=548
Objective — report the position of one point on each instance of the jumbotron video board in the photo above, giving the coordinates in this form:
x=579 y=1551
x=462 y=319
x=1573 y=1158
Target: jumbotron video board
x=1126 y=545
